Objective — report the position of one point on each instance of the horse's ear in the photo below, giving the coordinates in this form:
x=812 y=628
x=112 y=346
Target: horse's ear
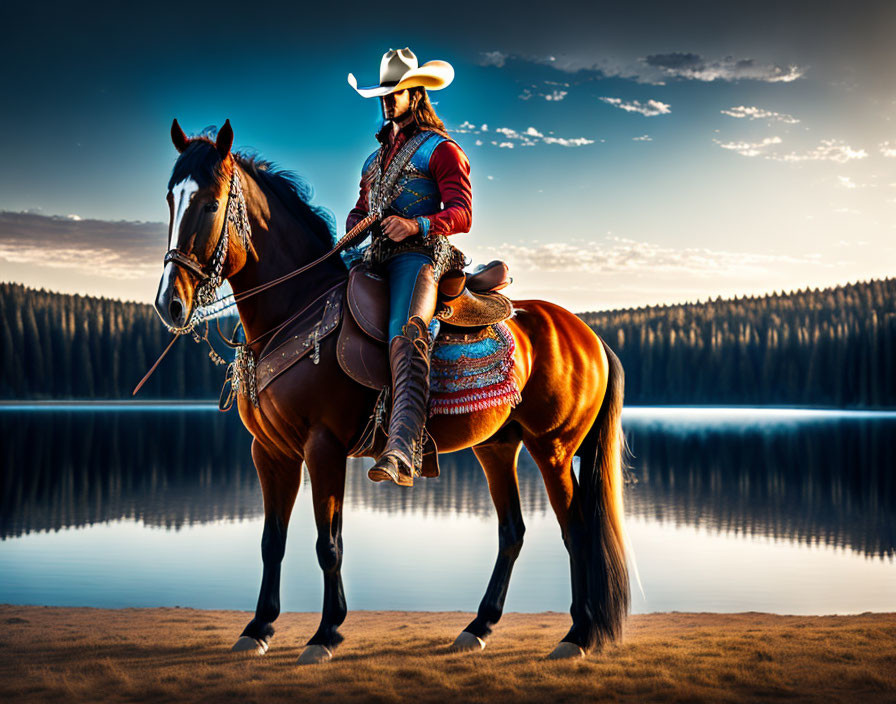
x=178 y=137
x=225 y=140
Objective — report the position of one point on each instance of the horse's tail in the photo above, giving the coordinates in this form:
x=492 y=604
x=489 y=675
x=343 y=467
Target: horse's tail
x=600 y=480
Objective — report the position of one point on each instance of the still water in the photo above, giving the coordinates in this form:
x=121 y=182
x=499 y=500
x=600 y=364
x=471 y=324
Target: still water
x=727 y=510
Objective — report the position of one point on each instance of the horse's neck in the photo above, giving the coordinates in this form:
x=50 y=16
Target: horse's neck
x=281 y=246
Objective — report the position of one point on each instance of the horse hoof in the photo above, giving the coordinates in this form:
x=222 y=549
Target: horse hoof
x=246 y=644
x=566 y=651
x=466 y=642
x=314 y=654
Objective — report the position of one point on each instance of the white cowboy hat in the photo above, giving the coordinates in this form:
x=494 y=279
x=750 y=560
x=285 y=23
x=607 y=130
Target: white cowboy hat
x=399 y=70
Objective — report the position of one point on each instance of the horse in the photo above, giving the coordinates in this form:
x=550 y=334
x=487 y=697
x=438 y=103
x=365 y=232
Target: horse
x=570 y=382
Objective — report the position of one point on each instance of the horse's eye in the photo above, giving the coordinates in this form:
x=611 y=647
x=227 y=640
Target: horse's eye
x=211 y=207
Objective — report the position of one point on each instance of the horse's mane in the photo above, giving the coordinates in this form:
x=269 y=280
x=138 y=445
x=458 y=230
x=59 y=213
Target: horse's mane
x=295 y=193
x=201 y=161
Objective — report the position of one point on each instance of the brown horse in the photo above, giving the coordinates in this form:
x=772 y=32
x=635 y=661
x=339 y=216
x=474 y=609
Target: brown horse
x=571 y=385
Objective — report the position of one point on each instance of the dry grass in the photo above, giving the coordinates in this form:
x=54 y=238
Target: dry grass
x=158 y=655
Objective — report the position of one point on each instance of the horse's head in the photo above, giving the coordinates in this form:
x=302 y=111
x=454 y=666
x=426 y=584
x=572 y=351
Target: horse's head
x=208 y=235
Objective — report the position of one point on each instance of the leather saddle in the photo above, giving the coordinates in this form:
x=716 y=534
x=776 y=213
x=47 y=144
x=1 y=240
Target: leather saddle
x=466 y=301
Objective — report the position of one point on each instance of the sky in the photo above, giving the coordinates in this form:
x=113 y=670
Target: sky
x=622 y=154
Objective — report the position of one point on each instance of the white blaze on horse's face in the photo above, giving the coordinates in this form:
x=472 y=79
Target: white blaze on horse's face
x=182 y=194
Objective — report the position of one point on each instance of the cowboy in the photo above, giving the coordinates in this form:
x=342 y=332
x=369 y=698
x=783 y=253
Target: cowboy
x=418 y=180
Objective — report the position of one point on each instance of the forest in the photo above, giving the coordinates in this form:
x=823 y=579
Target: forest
x=833 y=347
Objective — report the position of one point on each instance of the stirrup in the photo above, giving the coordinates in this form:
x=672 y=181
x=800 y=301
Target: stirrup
x=429 y=461
x=388 y=468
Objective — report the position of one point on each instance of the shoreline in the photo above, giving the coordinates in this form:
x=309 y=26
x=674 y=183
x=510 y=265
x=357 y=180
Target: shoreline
x=672 y=409
x=181 y=654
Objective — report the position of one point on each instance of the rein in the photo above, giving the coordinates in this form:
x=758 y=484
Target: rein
x=342 y=243
x=210 y=281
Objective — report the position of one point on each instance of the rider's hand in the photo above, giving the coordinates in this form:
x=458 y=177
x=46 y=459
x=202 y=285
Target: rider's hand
x=397 y=228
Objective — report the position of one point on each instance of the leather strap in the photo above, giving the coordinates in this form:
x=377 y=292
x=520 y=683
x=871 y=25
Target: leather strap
x=178 y=257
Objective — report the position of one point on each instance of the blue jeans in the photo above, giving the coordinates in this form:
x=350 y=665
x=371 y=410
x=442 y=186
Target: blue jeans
x=402 y=271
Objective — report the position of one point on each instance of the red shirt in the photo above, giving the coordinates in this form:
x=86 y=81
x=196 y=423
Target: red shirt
x=450 y=168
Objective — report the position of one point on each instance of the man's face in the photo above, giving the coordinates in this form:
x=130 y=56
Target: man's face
x=396 y=105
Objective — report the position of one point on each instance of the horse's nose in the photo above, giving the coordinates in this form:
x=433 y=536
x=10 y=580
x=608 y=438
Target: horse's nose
x=176 y=311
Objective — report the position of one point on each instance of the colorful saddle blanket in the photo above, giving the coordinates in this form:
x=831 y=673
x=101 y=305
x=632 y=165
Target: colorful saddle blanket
x=472 y=372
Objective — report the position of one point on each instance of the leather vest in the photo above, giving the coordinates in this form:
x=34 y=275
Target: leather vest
x=416 y=194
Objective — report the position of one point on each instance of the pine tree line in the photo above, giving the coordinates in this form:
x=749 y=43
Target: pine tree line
x=61 y=346
x=833 y=347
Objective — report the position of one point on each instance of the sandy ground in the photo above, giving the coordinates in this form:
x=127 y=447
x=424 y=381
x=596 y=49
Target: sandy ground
x=159 y=655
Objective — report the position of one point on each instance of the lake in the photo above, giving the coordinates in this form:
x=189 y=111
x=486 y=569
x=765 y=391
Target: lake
x=785 y=511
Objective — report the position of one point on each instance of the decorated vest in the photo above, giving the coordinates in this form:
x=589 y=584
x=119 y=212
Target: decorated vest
x=417 y=191
x=407 y=188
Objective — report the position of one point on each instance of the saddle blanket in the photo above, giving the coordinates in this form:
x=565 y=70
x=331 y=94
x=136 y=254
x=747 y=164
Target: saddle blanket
x=470 y=375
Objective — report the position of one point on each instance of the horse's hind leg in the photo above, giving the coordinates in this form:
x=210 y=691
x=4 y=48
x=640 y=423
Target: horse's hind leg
x=555 y=462
x=280 y=479
x=498 y=457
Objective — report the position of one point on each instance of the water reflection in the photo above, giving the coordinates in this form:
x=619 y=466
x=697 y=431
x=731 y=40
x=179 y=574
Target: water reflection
x=826 y=480
x=813 y=481
x=73 y=468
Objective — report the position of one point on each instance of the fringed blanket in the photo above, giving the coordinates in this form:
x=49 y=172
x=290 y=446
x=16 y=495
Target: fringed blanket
x=469 y=375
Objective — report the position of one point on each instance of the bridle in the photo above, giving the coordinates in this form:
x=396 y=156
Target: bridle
x=210 y=280
x=211 y=276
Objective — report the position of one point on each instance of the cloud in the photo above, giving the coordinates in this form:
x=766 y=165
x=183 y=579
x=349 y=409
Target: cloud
x=622 y=255
x=888 y=149
x=676 y=61
x=657 y=69
x=550 y=94
x=643 y=138
x=568 y=142
x=754 y=113
x=492 y=58
x=749 y=148
x=828 y=150
x=695 y=67
x=847 y=182
x=648 y=109
x=510 y=138
x=112 y=249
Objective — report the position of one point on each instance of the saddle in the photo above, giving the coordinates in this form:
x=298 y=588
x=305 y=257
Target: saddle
x=359 y=311
x=468 y=302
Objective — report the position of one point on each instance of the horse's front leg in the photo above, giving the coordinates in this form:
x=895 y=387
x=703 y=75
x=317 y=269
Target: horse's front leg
x=280 y=478
x=326 y=459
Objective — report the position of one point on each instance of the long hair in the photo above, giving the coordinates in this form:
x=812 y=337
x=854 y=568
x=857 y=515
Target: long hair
x=424 y=112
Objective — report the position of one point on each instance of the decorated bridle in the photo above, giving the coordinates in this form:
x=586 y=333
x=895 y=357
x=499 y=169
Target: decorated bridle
x=210 y=280
x=211 y=276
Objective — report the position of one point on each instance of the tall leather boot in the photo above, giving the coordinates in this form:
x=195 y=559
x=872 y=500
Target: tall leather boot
x=409 y=359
